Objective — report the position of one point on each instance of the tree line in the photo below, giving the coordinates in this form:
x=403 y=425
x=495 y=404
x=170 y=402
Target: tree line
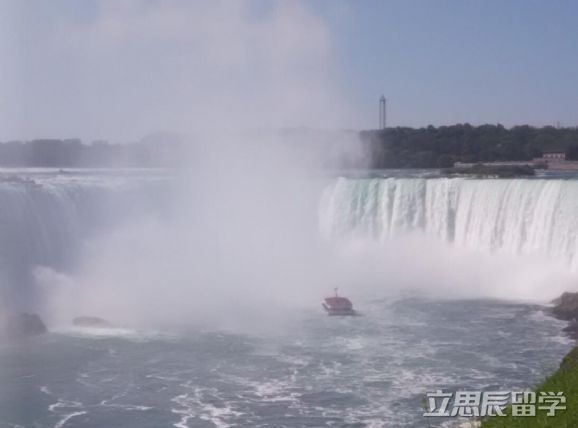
x=400 y=147
x=73 y=153
x=441 y=147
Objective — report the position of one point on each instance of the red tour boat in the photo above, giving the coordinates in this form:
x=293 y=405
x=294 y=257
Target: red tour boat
x=338 y=306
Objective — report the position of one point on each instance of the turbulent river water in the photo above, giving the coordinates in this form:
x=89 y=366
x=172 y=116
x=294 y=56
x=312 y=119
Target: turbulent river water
x=372 y=370
x=317 y=371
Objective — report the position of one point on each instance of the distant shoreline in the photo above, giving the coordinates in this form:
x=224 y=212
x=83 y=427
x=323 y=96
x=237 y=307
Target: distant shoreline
x=394 y=147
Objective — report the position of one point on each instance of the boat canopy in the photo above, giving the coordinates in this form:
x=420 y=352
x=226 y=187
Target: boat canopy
x=339 y=303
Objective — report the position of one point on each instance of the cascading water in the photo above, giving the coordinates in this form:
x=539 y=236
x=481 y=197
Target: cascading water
x=45 y=220
x=517 y=216
x=207 y=270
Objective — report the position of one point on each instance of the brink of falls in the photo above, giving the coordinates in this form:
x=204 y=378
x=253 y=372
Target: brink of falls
x=518 y=216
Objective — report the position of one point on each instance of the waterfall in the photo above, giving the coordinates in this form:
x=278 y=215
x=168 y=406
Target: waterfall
x=44 y=222
x=517 y=216
x=48 y=221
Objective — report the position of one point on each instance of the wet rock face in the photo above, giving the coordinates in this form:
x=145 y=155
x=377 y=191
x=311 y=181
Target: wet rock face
x=566 y=307
x=20 y=326
x=572 y=330
x=90 y=322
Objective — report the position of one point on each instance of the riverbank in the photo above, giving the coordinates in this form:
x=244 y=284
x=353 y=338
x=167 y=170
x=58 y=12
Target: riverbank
x=564 y=380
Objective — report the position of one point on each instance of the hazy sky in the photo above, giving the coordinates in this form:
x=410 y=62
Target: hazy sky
x=119 y=69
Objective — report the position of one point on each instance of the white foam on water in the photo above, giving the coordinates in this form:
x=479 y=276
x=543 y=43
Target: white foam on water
x=374 y=423
x=331 y=369
x=45 y=390
x=67 y=418
x=115 y=332
x=460 y=423
x=130 y=407
x=408 y=383
x=194 y=406
x=63 y=404
x=542 y=316
x=186 y=412
x=562 y=339
x=275 y=390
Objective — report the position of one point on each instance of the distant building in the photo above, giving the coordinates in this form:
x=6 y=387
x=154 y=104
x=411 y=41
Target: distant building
x=555 y=160
x=554 y=155
x=551 y=159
